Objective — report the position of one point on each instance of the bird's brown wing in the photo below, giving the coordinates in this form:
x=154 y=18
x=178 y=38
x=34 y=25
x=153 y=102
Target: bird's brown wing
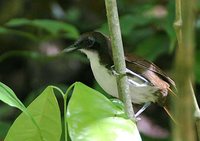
x=140 y=65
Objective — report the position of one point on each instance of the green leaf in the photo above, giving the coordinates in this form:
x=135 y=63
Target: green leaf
x=118 y=103
x=45 y=111
x=53 y=27
x=30 y=36
x=3 y=30
x=91 y=116
x=18 y=22
x=152 y=47
x=9 y=97
x=129 y=22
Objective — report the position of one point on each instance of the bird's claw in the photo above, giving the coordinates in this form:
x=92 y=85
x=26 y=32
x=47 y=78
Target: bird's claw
x=114 y=72
x=144 y=107
x=138 y=118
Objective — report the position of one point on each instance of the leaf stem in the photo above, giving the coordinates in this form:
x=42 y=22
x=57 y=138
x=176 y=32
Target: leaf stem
x=65 y=110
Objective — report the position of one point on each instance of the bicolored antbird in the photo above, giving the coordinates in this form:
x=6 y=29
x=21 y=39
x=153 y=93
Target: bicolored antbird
x=147 y=82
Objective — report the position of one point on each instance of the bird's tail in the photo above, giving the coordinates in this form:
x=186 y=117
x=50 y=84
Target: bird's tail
x=166 y=106
x=169 y=114
x=172 y=92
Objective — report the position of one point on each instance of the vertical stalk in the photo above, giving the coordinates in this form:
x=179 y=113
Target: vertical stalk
x=65 y=110
x=183 y=107
x=118 y=56
x=65 y=118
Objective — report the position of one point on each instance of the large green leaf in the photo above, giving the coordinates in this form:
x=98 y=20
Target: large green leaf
x=8 y=96
x=92 y=117
x=45 y=111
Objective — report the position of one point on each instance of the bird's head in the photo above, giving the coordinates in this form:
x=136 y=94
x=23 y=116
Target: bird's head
x=94 y=44
x=92 y=41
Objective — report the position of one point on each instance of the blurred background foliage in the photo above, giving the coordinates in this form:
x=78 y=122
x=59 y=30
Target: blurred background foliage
x=34 y=32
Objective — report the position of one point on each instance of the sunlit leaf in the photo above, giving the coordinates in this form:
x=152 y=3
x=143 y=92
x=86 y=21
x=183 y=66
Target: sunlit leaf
x=91 y=116
x=8 y=96
x=45 y=111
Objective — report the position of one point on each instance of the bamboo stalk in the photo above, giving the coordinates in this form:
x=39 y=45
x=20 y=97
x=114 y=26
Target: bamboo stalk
x=183 y=107
x=118 y=56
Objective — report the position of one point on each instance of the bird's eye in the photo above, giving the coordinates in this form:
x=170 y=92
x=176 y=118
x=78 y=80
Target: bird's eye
x=90 y=41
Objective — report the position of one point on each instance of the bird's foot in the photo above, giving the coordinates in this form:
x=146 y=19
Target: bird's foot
x=114 y=72
x=144 y=107
x=137 y=119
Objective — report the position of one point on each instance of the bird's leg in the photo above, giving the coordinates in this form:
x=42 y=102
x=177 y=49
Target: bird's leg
x=116 y=73
x=147 y=104
x=144 y=107
x=113 y=70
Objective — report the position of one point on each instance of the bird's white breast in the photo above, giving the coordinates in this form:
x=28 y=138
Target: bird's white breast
x=102 y=75
x=139 y=93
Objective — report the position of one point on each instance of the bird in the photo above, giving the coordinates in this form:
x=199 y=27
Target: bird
x=147 y=82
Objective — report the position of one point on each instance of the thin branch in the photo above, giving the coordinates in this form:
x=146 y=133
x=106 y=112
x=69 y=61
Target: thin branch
x=118 y=56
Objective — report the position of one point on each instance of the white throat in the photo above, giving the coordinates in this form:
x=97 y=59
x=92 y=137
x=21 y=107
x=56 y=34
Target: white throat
x=103 y=76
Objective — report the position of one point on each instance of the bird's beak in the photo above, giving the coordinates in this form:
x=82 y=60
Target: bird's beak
x=70 y=49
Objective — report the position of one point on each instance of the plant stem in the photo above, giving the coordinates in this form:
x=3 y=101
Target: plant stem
x=65 y=110
x=118 y=56
x=65 y=118
x=183 y=107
